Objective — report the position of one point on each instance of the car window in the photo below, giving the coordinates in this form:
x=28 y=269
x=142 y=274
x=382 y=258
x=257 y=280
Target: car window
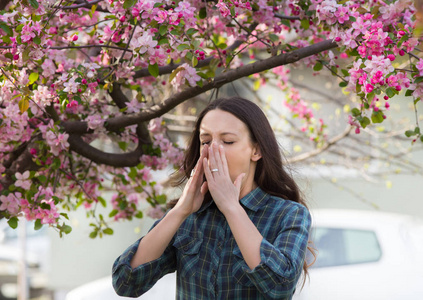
x=340 y=246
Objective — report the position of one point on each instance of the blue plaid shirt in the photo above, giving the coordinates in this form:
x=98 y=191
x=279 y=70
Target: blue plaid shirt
x=209 y=263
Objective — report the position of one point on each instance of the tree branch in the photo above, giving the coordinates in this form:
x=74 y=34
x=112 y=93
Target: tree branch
x=282 y=17
x=86 y=4
x=155 y=111
x=119 y=160
x=317 y=151
x=3 y=4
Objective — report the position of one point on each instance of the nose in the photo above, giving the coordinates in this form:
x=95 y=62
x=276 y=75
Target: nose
x=215 y=143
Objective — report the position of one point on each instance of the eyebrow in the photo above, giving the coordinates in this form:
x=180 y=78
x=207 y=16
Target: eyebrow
x=205 y=134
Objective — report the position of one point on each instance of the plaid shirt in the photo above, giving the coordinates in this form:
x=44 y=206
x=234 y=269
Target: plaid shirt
x=209 y=263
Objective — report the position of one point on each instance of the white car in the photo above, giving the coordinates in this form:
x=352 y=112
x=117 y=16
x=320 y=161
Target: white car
x=362 y=255
x=365 y=255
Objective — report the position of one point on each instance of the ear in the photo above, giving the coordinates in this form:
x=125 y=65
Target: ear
x=256 y=155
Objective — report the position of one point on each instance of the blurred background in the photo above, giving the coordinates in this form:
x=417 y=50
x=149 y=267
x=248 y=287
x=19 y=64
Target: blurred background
x=364 y=194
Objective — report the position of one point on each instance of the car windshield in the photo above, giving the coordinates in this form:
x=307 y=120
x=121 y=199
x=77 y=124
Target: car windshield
x=341 y=246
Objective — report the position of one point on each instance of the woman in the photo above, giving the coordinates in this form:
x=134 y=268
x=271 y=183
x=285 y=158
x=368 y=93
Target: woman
x=240 y=229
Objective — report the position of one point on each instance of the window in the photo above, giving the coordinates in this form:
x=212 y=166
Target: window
x=339 y=246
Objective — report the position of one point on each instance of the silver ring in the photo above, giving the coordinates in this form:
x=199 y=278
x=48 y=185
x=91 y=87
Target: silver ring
x=192 y=173
x=214 y=170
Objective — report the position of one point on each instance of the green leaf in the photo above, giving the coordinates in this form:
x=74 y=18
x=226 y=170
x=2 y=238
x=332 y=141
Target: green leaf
x=38 y=225
x=409 y=133
x=102 y=201
x=203 y=13
x=232 y=9
x=408 y=93
x=139 y=215
x=182 y=47
x=6 y=29
x=194 y=61
x=93 y=234
x=305 y=23
x=163 y=41
x=273 y=37
x=377 y=117
x=133 y=173
x=343 y=84
x=19 y=28
x=65 y=215
x=34 y=3
x=37 y=40
x=113 y=213
x=364 y=122
x=161 y=199
x=417 y=130
x=33 y=77
x=390 y=92
x=42 y=178
x=108 y=231
x=191 y=31
x=345 y=72
x=127 y=4
x=123 y=145
x=23 y=105
x=355 y=112
x=153 y=70
x=13 y=222
x=163 y=29
x=318 y=66
x=222 y=46
x=66 y=229
x=157 y=4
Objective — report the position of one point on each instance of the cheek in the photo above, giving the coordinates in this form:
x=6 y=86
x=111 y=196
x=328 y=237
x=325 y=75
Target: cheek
x=238 y=162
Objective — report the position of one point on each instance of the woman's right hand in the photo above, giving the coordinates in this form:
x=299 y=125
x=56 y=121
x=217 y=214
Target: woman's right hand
x=195 y=189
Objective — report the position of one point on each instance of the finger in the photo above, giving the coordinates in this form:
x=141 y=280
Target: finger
x=204 y=188
x=218 y=158
x=207 y=172
x=238 y=181
x=225 y=167
x=212 y=158
x=197 y=172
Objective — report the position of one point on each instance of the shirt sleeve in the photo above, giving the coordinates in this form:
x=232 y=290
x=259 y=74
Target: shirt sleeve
x=281 y=263
x=130 y=282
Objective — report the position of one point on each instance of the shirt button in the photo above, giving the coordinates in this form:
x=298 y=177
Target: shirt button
x=185 y=248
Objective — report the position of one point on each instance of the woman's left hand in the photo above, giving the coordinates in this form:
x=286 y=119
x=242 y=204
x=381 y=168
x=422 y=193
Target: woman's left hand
x=225 y=193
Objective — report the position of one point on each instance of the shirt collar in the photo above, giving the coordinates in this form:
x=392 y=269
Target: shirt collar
x=253 y=200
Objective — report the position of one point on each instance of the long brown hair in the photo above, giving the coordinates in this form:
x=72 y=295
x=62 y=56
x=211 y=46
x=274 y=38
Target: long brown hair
x=270 y=175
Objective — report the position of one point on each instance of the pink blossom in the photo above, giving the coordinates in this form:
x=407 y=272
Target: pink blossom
x=144 y=42
x=342 y=14
x=223 y=8
x=369 y=88
x=360 y=26
x=161 y=16
x=10 y=203
x=23 y=180
x=71 y=86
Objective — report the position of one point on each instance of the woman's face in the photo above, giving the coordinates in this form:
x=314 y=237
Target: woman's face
x=223 y=128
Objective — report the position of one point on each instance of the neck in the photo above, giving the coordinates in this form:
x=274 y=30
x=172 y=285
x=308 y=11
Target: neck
x=247 y=188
